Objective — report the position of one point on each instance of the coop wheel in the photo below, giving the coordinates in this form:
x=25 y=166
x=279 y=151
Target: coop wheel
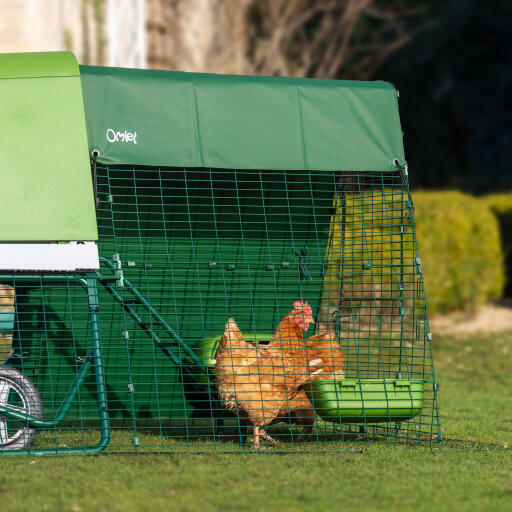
x=18 y=392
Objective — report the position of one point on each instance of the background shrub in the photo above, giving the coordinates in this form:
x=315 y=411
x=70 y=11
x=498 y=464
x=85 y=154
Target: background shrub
x=460 y=247
x=501 y=206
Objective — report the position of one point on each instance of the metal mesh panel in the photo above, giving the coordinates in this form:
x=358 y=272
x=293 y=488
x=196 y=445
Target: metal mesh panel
x=183 y=251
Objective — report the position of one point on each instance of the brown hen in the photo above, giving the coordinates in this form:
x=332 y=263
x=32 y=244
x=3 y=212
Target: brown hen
x=257 y=382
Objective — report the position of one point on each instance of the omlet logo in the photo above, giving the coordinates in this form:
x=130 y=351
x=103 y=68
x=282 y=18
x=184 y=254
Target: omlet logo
x=126 y=136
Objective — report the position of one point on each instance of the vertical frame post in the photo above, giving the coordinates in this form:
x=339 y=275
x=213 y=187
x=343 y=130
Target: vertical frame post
x=92 y=294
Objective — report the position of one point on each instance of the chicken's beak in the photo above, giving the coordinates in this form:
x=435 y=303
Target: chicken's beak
x=303 y=320
x=307 y=320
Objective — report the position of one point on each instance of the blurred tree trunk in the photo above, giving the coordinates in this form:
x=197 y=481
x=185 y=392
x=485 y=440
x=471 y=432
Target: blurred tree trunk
x=198 y=35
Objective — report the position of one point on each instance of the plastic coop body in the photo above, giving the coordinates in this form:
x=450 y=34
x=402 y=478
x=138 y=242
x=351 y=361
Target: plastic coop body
x=46 y=176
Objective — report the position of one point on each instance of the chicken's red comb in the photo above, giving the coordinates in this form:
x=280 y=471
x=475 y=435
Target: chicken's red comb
x=303 y=306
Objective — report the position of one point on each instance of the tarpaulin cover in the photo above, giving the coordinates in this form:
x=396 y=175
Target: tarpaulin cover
x=166 y=118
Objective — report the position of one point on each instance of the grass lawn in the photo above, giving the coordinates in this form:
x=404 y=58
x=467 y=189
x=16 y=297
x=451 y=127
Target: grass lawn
x=471 y=471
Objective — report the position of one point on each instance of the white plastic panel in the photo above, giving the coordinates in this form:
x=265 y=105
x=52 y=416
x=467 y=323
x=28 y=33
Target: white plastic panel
x=52 y=257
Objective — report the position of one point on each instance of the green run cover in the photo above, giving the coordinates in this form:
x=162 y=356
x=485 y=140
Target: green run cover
x=167 y=118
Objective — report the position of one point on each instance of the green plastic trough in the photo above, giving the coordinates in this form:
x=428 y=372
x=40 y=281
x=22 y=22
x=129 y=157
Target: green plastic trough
x=348 y=400
x=207 y=348
x=366 y=400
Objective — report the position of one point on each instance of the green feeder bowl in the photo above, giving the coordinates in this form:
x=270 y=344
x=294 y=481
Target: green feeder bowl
x=366 y=400
x=206 y=349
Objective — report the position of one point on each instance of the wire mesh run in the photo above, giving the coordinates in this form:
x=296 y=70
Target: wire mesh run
x=233 y=309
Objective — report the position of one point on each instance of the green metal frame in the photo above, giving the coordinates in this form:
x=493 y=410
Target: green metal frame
x=95 y=359
x=191 y=365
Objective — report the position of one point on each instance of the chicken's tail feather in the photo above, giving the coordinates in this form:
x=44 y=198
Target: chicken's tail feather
x=232 y=337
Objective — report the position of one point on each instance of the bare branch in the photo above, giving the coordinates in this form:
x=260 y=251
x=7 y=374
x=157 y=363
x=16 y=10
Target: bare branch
x=319 y=38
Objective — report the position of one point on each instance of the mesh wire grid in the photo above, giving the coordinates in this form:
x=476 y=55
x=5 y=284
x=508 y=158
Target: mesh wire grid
x=184 y=250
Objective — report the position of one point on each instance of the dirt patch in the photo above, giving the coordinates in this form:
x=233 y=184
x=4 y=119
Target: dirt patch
x=490 y=318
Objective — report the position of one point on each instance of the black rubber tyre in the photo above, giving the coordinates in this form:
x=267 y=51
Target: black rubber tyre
x=18 y=391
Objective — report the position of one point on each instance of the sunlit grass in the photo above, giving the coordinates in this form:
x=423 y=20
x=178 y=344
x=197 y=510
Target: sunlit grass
x=472 y=470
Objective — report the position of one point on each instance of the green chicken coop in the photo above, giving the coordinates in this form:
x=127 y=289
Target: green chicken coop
x=141 y=209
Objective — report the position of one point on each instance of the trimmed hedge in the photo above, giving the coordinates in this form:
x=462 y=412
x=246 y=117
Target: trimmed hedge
x=501 y=206
x=460 y=247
